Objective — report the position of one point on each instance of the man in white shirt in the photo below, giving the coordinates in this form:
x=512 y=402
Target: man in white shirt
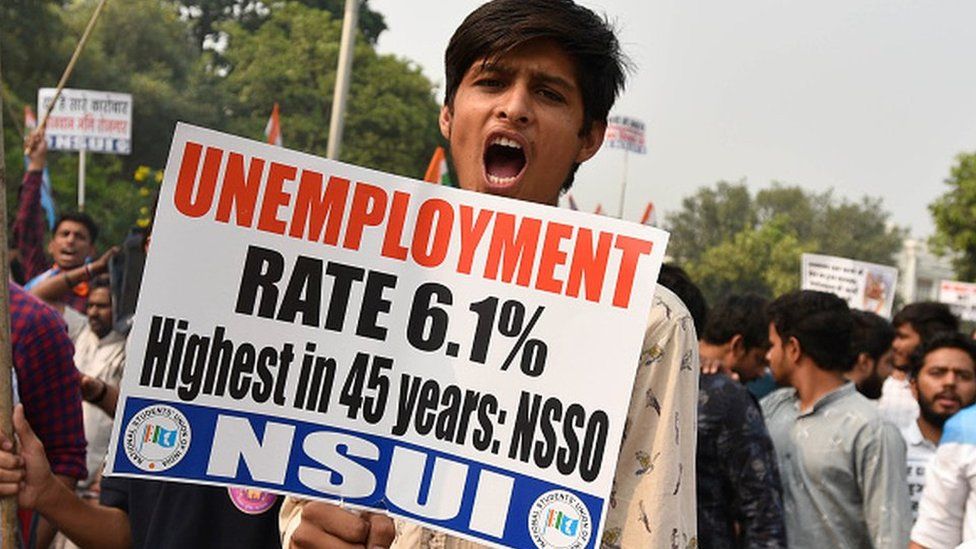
x=943 y=379
x=100 y=357
x=947 y=512
x=914 y=324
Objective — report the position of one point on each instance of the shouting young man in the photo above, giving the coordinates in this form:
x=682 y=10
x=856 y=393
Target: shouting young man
x=529 y=86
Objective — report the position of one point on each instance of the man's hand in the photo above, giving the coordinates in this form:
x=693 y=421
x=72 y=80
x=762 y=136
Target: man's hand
x=25 y=472
x=91 y=387
x=36 y=150
x=100 y=265
x=716 y=366
x=327 y=525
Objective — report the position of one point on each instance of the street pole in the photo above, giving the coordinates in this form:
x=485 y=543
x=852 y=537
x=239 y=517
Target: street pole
x=346 y=50
x=8 y=504
x=623 y=188
x=81 y=180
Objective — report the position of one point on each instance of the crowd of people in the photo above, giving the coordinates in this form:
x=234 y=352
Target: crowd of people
x=810 y=425
x=824 y=426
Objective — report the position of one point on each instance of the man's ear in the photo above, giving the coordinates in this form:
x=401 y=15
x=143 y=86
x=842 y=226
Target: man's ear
x=737 y=346
x=591 y=141
x=793 y=350
x=864 y=365
x=444 y=120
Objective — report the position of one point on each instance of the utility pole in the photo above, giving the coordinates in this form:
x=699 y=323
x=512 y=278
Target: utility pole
x=346 y=49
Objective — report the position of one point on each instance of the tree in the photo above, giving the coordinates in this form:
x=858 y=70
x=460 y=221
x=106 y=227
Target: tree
x=391 y=119
x=954 y=214
x=207 y=15
x=732 y=242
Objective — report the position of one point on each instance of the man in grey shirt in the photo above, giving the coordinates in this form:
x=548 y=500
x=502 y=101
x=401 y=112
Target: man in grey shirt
x=842 y=466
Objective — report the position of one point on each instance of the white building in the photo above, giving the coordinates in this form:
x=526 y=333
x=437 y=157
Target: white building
x=920 y=272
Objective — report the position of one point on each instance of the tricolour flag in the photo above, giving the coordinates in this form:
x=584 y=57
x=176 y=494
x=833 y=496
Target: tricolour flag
x=272 y=131
x=437 y=171
x=47 y=194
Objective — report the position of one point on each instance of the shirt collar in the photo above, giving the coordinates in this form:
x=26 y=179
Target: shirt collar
x=913 y=436
x=837 y=394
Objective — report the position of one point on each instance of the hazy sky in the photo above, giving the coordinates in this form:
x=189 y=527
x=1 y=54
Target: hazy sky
x=869 y=97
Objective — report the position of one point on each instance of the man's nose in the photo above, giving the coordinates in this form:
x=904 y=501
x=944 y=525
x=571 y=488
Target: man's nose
x=516 y=105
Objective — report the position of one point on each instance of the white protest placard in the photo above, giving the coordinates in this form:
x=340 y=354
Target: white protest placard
x=865 y=286
x=308 y=327
x=88 y=120
x=960 y=297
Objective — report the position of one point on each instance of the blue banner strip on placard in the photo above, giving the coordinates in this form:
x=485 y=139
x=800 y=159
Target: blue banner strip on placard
x=197 y=443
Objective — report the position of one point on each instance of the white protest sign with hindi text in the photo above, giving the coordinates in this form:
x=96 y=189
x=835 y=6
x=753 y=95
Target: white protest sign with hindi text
x=308 y=327
x=88 y=120
x=865 y=286
x=960 y=297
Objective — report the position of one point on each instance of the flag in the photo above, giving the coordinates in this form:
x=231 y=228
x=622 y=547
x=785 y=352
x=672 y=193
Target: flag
x=437 y=171
x=572 y=202
x=599 y=209
x=47 y=194
x=649 y=217
x=272 y=131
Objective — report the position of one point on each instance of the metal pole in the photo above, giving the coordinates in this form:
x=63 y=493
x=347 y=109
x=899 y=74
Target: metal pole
x=8 y=505
x=346 y=49
x=623 y=188
x=81 y=180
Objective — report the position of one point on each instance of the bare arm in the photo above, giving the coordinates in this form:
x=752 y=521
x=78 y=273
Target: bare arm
x=100 y=393
x=54 y=288
x=45 y=530
x=27 y=474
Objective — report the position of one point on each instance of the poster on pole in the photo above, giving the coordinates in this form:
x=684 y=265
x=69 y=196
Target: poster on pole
x=625 y=133
x=88 y=120
x=865 y=286
x=960 y=297
x=313 y=328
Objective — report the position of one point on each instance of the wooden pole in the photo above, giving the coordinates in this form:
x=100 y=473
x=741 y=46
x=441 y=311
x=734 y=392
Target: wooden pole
x=8 y=505
x=71 y=64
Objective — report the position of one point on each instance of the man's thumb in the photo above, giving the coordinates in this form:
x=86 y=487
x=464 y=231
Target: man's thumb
x=23 y=429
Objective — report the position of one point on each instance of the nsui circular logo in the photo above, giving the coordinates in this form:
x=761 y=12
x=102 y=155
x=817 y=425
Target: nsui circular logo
x=157 y=438
x=559 y=519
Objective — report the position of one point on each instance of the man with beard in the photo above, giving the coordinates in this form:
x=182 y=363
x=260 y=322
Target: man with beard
x=871 y=352
x=915 y=324
x=943 y=380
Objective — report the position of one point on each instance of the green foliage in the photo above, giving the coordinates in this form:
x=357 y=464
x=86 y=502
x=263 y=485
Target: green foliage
x=277 y=51
x=391 y=115
x=207 y=15
x=732 y=242
x=955 y=217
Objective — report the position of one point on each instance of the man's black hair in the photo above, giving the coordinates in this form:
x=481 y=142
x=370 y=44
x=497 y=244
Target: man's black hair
x=941 y=340
x=871 y=334
x=677 y=280
x=82 y=218
x=102 y=281
x=820 y=321
x=500 y=26
x=738 y=314
x=927 y=318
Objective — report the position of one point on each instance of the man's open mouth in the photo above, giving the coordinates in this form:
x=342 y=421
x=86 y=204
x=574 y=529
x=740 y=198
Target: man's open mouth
x=504 y=161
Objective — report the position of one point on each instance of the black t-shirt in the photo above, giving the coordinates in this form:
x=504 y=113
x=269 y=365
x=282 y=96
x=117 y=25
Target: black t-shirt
x=184 y=516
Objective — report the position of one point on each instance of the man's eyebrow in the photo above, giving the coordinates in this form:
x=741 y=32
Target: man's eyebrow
x=489 y=67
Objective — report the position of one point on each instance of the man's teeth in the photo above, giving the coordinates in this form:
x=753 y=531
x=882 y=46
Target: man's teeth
x=495 y=180
x=505 y=142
